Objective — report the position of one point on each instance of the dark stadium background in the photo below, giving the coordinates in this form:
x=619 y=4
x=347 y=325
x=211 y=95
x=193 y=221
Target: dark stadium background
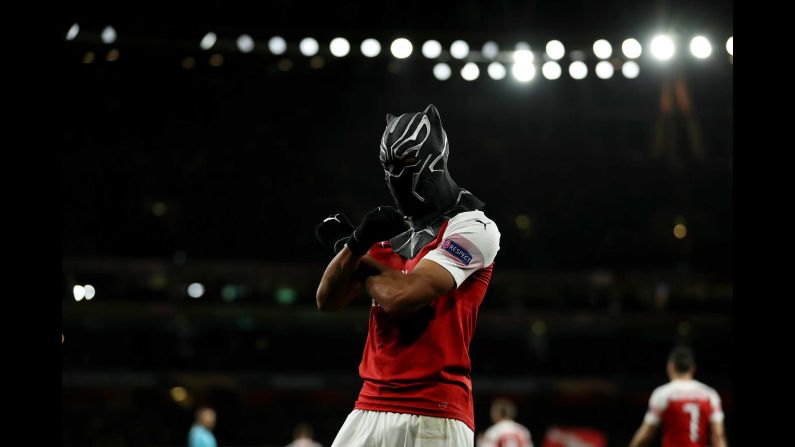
x=218 y=174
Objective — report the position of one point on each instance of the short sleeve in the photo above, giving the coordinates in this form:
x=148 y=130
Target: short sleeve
x=470 y=242
x=716 y=414
x=657 y=404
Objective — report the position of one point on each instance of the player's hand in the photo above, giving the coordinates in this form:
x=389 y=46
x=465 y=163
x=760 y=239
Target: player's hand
x=379 y=224
x=334 y=231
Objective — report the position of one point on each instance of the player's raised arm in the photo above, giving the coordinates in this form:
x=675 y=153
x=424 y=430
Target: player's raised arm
x=344 y=276
x=644 y=435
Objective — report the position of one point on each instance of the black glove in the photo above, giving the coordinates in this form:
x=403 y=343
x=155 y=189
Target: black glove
x=334 y=231
x=379 y=224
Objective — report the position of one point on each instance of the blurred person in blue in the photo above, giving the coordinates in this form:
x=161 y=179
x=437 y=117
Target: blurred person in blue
x=201 y=433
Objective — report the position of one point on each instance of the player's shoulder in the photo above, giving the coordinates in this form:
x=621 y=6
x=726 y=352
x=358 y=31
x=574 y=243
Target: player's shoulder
x=515 y=424
x=702 y=385
x=706 y=388
x=493 y=433
x=475 y=222
x=520 y=428
x=490 y=431
x=663 y=391
x=473 y=230
x=506 y=427
x=662 y=388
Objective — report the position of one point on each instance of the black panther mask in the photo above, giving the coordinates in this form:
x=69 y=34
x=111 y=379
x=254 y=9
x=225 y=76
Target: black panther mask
x=414 y=151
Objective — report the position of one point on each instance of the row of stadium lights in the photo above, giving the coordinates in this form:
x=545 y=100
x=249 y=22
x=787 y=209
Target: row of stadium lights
x=662 y=47
x=284 y=295
x=87 y=292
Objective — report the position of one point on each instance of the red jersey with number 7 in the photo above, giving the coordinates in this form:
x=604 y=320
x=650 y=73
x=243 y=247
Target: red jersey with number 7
x=686 y=408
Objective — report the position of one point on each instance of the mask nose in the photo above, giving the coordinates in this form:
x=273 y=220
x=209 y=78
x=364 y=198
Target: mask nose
x=397 y=167
x=392 y=168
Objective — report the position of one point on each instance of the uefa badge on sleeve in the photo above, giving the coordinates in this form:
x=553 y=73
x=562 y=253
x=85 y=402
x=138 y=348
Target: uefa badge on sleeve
x=458 y=252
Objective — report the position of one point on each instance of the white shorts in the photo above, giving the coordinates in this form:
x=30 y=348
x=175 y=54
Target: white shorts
x=382 y=429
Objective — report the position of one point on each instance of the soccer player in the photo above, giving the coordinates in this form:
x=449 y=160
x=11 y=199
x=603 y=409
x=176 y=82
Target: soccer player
x=505 y=432
x=201 y=434
x=426 y=266
x=690 y=412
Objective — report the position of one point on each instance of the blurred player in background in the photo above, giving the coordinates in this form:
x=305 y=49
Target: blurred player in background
x=201 y=434
x=302 y=437
x=426 y=266
x=505 y=432
x=690 y=412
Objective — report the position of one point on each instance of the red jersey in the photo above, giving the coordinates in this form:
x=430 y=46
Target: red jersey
x=420 y=364
x=686 y=408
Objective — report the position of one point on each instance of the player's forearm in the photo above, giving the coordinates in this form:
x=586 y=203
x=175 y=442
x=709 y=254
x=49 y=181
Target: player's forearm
x=638 y=442
x=343 y=279
x=718 y=435
x=398 y=294
x=642 y=437
x=339 y=283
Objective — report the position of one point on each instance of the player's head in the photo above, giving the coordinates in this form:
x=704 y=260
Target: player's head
x=681 y=363
x=205 y=416
x=502 y=409
x=414 y=151
x=302 y=431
